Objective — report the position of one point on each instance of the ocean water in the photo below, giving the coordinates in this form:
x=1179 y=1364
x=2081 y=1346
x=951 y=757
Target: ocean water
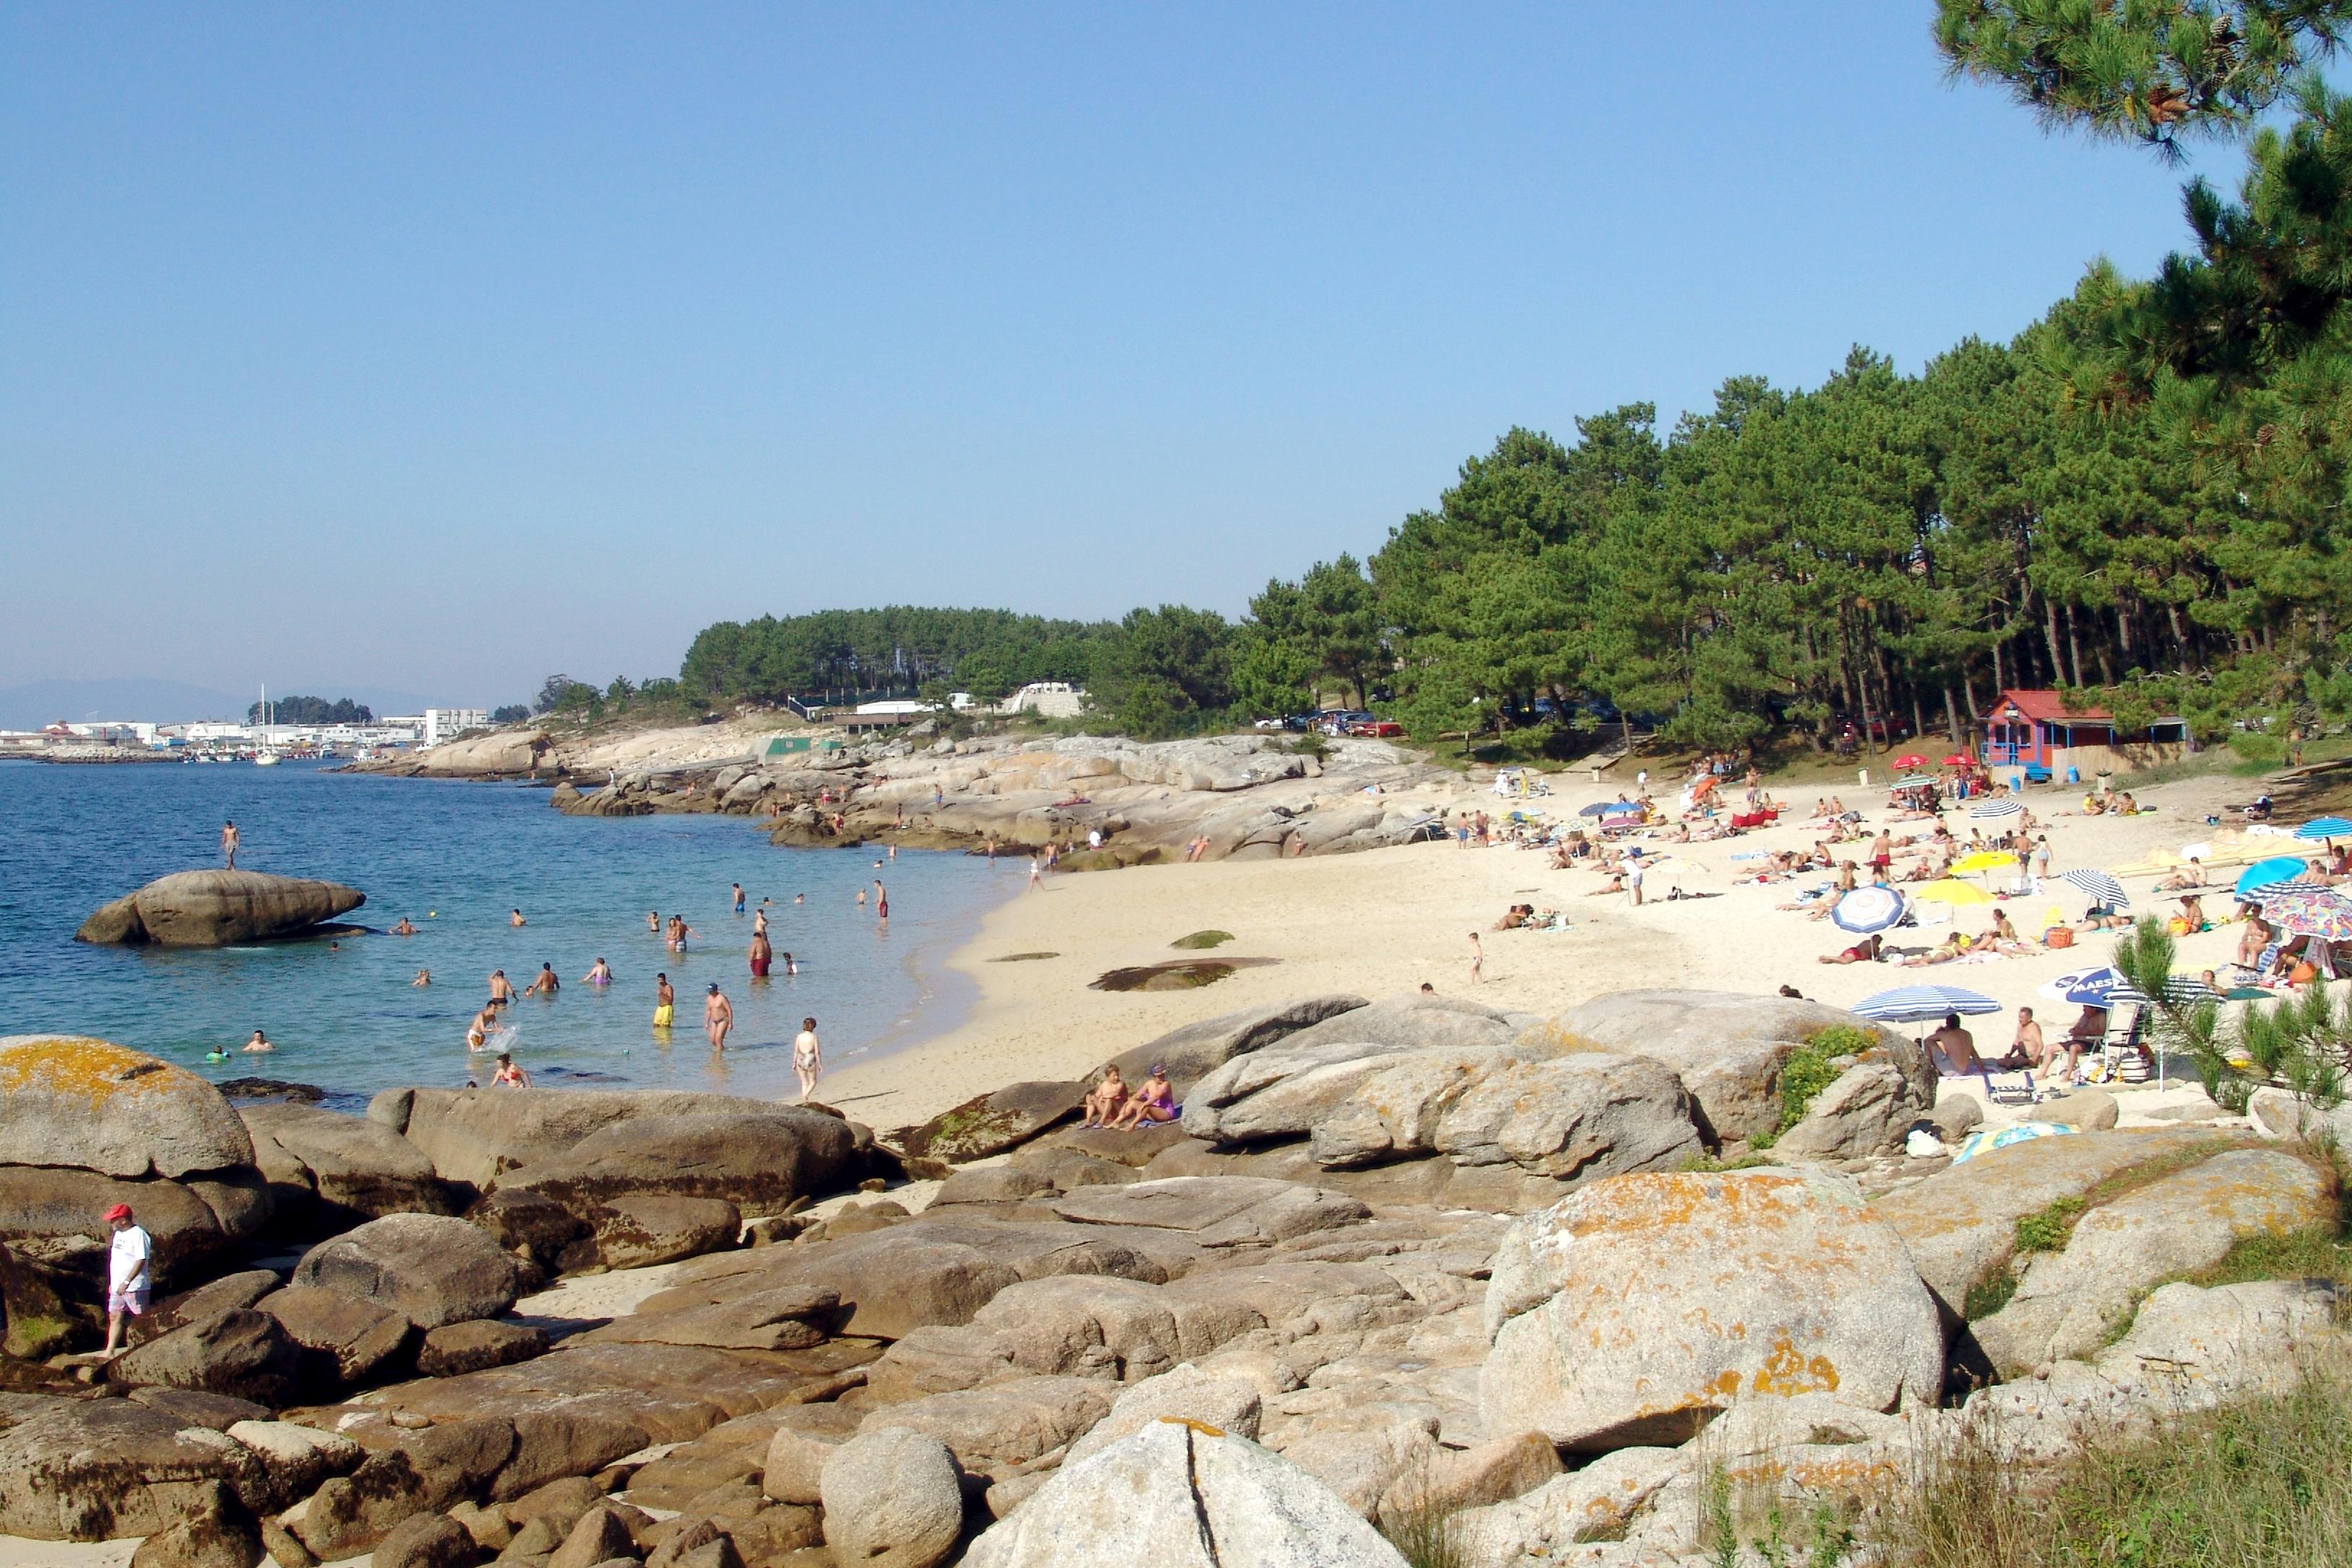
x=455 y=857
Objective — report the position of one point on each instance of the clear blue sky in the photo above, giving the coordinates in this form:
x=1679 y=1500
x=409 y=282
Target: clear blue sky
x=439 y=346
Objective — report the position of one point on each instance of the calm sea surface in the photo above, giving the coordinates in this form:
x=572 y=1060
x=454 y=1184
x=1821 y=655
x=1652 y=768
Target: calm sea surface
x=455 y=857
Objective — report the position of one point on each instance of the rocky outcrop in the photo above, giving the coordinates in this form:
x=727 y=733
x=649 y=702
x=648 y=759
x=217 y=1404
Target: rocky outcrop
x=893 y=1498
x=429 y=1269
x=328 y=1171
x=502 y=754
x=51 y=1217
x=2070 y=1301
x=106 y=1108
x=758 y=1161
x=213 y=909
x=241 y=1353
x=74 y=1470
x=1628 y=1313
x=1180 y=1494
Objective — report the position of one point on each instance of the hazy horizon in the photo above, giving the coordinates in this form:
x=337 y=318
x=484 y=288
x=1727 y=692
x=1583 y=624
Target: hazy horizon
x=370 y=350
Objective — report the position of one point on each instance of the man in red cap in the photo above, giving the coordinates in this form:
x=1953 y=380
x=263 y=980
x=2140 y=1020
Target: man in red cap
x=127 y=1276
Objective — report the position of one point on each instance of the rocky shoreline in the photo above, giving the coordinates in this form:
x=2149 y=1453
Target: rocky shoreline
x=1246 y=796
x=1400 y=1259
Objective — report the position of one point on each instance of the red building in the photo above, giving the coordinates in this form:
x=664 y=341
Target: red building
x=2034 y=731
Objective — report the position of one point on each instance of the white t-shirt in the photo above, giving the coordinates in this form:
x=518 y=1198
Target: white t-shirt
x=1633 y=874
x=132 y=1247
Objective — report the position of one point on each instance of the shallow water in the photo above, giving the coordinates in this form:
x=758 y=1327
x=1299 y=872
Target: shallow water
x=455 y=857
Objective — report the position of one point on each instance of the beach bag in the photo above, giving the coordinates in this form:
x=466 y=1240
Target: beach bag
x=2303 y=973
x=2058 y=936
x=2178 y=926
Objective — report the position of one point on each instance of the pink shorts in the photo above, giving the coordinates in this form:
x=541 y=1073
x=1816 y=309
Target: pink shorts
x=134 y=1300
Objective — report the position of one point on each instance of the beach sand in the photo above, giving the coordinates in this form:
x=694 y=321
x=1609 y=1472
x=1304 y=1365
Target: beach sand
x=1382 y=922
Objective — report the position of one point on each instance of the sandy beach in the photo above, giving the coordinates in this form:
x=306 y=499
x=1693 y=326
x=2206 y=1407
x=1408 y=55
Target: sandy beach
x=1386 y=921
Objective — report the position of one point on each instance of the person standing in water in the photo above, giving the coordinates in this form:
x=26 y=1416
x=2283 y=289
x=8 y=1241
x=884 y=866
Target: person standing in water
x=477 y=1033
x=514 y=917
x=510 y=1076
x=664 y=1002
x=760 y=918
x=228 y=853
x=808 y=1059
x=718 y=1017
x=761 y=956
x=738 y=896
x=881 y=900
x=652 y=921
x=544 y=984
x=599 y=973
x=501 y=991
x=260 y=1042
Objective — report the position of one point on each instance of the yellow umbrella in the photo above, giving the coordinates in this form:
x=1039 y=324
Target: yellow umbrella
x=1949 y=892
x=1985 y=860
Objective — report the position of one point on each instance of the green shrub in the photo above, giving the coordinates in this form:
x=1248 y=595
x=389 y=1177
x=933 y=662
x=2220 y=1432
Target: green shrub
x=2049 y=1229
x=1811 y=1068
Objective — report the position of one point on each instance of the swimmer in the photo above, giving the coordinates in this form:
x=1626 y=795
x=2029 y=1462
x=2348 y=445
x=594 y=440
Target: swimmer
x=514 y=917
x=599 y=973
x=790 y=967
x=424 y=977
x=881 y=900
x=808 y=1059
x=760 y=918
x=737 y=888
x=861 y=892
x=664 y=1002
x=217 y=1054
x=405 y=928
x=800 y=898
x=501 y=990
x=543 y=983
x=761 y=956
x=718 y=1017
x=510 y=1076
x=260 y=1042
x=652 y=921
x=477 y=1033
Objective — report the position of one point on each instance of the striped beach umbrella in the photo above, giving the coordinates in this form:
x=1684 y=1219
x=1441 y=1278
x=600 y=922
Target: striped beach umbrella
x=2269 y=873
x=1993 y=809
x=1917 y=1004
x=2319 y=912
x=2102 y=886
x=1867 y=910
x=2183 y=990
x=2320 y=827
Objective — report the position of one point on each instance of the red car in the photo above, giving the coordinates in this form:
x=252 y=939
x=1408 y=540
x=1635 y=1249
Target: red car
x=1377 y=729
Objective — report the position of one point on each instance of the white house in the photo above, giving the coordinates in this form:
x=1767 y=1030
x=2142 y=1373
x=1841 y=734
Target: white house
x=447 y=723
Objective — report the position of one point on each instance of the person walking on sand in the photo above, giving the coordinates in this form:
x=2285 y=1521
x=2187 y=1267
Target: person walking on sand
x=738 y=896
x=718 y=1017
x=808 y=1058
x=228 y=853
x=664 y=1002
x=128 y=1281
x=1036 y=874
x=1477 y=961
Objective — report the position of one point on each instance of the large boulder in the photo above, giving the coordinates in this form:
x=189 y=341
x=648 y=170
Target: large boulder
x=759 y=1162
x=1726 y=1047
x=430 y=1269
x=645 y=1228
x=2071 y=1301
x=75 y=1469
x=214 y=909
x=478 y=1135
x=106 y=1108
x=1632 y=1310
x=893 y=1498
x=1192 y=1050
x=990 y=1123
x=1960 y=1224
x=502 y=754
x=52 y=1216
x=333 y=1169
x=240 y=1352
x=1866 y=1110
x=1181 y=1494
x=347 y=1338
x=1215 y=1211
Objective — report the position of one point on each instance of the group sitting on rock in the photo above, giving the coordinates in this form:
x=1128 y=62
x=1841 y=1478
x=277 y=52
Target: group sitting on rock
x=1112 y=1105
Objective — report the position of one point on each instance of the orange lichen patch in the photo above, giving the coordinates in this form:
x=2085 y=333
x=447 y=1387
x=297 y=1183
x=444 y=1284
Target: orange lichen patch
x=1787 y=1373
x=77 y=1066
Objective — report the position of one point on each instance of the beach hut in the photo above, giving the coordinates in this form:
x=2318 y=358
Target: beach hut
x=2034 y=732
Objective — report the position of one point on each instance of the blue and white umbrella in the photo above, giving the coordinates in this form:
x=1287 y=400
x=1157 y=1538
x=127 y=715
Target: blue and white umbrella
x=2320 y=827
x=1984 y=1141
x=2103 y=888
x=2185 y=990
x=2094 y=987
x=1917 y=1004
x=1868 y=911
x=1602 y=807
x=2269 y=873
x=1995 y=808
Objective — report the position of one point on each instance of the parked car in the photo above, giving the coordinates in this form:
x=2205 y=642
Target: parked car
x=1377 y=729
x=1271 y=724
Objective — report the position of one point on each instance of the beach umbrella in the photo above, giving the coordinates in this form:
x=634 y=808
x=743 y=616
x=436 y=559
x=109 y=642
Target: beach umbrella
x=1866 y=911
x=1996 y=808
x=1984 y=1141
x=2185 y=990
x=2095 y=987
x=1913 y=760
x=2103 y=888
x=1599 y=806
x=1985 y=860
x=1959 y=759
x=2325 y=827
x=2267 y=873
x=2319 y=912
x=1917 y=1004
x=1951 y=891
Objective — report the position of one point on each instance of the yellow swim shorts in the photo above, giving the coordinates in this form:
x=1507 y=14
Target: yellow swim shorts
x=662 y=1017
